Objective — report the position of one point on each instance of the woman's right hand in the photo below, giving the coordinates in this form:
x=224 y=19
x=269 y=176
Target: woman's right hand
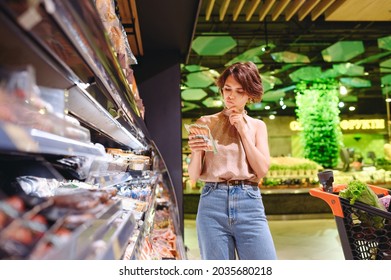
x=197 y=147
x=196 y=143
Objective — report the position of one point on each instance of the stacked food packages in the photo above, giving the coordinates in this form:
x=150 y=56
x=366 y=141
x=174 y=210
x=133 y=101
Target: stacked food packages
x=67 y=214
x=25 y=104
x=132 y=160
x=48 y=218
x=47 y=227
x=120 y=43
x=161 y=243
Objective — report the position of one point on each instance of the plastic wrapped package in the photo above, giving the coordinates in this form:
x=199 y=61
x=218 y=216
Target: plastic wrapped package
x=41 y=187
x=22 y=103
x=202 y=131
x=56 y=98
x=133 y=161
x=60 y=226
x=20 y=82
x=74 y=167
x=129 y=53
x=111 y=23
x=116 y=33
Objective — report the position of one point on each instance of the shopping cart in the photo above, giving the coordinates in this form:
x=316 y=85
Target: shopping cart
x=364 y=231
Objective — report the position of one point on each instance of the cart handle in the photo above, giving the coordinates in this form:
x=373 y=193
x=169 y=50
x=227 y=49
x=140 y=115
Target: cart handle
x=332 y=199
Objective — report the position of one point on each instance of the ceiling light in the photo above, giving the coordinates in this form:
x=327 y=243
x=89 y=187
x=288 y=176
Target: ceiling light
x=267 y=107
x=341 y=104
x=218 y=103
x=83 y=85
x=283 y=107
x=272 y=117
x=266 y=49
x=255 y=106
x=343 y=90
x=388 y=99
x=213 y=102
x=352 y=108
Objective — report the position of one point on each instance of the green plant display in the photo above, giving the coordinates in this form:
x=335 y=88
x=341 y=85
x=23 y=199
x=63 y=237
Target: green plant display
x=318 y=113
x=382 y=163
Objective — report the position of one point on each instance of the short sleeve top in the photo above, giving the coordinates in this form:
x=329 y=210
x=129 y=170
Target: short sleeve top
x=230 y=162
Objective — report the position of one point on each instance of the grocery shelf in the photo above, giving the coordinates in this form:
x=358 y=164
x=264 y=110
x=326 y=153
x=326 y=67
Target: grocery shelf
x=49 y=71
x=54 y=73
x=65 y=42
x=85 y=107
x=146 y=227
x=99 y=238
x=86 y=31
x=116 y=238
x=15 y=138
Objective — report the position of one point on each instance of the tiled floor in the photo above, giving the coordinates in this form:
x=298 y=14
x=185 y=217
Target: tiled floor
x=300 y=239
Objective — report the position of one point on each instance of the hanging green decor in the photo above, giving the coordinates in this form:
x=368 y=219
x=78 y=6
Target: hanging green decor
x=318 y=113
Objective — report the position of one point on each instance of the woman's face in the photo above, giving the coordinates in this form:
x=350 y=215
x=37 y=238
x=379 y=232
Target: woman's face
x=234 y=95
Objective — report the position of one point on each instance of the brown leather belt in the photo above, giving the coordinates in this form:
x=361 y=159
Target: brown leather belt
x=235 y=183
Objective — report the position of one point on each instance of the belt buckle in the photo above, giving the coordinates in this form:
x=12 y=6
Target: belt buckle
x=234 y=182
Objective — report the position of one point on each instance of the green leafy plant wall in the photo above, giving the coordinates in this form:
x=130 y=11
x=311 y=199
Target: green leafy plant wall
x=318 y=113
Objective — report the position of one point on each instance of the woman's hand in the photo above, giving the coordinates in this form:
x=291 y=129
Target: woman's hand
x=236 y=119
x=197 y=143
x=197 y=146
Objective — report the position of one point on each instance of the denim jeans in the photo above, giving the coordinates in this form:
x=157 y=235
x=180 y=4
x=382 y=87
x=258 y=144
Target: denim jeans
x=231 y=222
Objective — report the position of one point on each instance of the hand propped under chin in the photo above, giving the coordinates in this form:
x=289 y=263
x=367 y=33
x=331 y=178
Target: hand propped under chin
x=236 y=117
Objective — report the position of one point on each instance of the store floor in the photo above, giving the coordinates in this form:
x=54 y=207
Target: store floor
x=295 y=239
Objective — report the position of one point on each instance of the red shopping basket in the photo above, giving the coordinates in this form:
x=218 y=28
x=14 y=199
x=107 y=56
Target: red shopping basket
x=364 y=231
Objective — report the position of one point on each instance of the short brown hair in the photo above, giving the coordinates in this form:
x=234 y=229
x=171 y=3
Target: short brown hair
x=247 y=75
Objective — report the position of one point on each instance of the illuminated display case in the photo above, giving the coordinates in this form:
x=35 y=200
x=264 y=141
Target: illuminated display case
x=66 y=45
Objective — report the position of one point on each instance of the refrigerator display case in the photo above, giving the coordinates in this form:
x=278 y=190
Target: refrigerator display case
x=66 y=102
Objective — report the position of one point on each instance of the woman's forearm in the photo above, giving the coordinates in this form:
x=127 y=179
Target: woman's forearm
x=258 y=160
x=256 y=148
x=195 y=165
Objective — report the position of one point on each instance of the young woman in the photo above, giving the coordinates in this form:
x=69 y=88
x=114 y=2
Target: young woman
x=231 y=218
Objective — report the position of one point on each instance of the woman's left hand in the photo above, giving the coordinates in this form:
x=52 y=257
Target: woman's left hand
x=237 y=119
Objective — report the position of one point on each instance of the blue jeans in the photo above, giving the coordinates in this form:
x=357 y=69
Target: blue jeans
x=231 y=221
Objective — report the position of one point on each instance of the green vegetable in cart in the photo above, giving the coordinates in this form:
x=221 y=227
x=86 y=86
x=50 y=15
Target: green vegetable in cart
x=359 y=191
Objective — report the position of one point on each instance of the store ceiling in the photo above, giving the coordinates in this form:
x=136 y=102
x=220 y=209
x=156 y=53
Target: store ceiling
x=298 y=34
x=304 y=39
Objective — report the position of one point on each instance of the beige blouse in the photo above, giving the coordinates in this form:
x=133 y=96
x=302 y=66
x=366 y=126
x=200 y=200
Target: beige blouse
x=230 y=162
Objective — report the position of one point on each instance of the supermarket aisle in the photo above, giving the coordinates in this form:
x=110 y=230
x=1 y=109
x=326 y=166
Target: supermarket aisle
x=302 y=239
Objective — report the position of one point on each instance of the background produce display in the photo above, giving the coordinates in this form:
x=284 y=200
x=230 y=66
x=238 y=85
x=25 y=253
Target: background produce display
x=285 y=172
